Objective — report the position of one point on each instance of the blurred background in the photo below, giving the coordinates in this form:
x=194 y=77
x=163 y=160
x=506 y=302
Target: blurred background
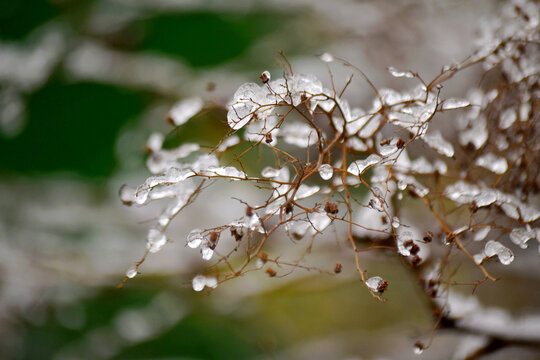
x=82 y=85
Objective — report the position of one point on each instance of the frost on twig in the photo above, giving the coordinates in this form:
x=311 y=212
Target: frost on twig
x=356 y=171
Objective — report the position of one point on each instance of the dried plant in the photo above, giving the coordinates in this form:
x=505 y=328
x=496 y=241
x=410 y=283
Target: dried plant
x=333 y=164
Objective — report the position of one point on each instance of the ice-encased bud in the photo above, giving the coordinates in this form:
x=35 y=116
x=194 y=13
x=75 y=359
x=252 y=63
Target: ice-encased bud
x=375 y=283
x=155 y=240
x=184 y=110
x=195 y=238
x=131 y=273
x=198 y=282
x=326 y=171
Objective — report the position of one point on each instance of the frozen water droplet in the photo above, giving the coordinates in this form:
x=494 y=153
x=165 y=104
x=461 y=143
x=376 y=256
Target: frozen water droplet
x=198 y=282
x=521 y=236
x=131 y=273
x=195 y=238
x=327 y=57
x=127 y=194
x=259 y=263
x=508 y=117
x=211 y=282
x=435 y=140
x=155 y=240
x=305 y=191
x=207 y=253
x=155 y=141
x=184 y=110
x=450 y=104
x=374 y=283
x=319 y=221
x=326 y=171
x=395 y=222
x=496 y=248
x=493 y=163
x=396 y=73
x=481 y=233
x=405 y=241
x=359 y=166
x=418 y=350
x=269 y=172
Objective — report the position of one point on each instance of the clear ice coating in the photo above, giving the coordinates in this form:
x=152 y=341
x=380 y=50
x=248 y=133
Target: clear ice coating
x=326 y=171
x=374 y=283
x=481 y=234
x=327 y=57
x=195 y=238
x=396 y=73
x=436 y=141
x=155 y=240
x=495 y=164
x=508 y=117
x=269 y=172
x=521 y=236
x=131 y=273
x=359 y=166
x=198 y=283
x=127 y=194
x=305 y=191
x=450 y=104
x=404 y=238
x=206 y=252
x=184 y=110
x=504 y=254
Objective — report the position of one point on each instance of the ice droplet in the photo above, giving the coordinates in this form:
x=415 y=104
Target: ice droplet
x=418 y=350
x=405 y=240
x=395 y=222
x=450 y=104
x=305 y=191
x=327 y=57
x=326 y=171
x=131 y=273
x=127 y=194
x=481 y=234
x=508 y=117
x=493 y=163
x=155 y=240
x=207 y=253
x=396 y=73
x=520 y=236
x=359 y=166
x=269 y=172
x=211 y=282
x=198 y=282
x=319 y=221
x=504 y=254
x=435 y=141
x=184 y=110
x=195 y=238
x=374 y=283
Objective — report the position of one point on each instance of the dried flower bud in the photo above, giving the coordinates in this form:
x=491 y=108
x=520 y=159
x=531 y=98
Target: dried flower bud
x=271 y=272
x=331 y=208
x=236 y=234
x=338 y=268
x=428 y=236
x=384 y=142
x=268 y=138
x=249 y=211
x=263 y=256
x=265 y=77
x=382 y=287
x=418 y=348
x=416 y=260
x=400 y=143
